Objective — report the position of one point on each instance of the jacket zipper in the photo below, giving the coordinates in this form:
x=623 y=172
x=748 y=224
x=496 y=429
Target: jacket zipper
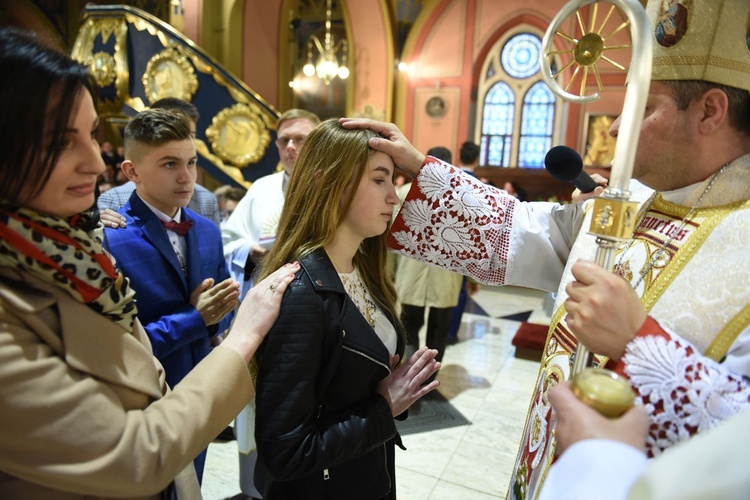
x=326 y=474
x=385 y=459
x=368 y=357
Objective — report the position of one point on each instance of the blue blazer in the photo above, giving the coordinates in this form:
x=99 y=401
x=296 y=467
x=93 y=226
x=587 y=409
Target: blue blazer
x=179 y=336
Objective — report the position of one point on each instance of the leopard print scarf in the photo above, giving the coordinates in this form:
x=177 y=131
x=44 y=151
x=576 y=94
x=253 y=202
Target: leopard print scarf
x=60 y=252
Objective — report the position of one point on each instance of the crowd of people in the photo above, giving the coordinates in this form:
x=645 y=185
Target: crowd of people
x=134 y=327
x=86 y=410
x=112 y=175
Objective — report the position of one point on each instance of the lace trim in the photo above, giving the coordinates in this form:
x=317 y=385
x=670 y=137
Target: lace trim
x=457 y=223
x=683 y=391
x=360 y=295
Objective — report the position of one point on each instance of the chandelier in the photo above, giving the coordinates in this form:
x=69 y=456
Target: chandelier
x=327 y=65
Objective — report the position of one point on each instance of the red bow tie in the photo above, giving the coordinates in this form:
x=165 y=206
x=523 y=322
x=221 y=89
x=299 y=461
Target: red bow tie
x=181 y=228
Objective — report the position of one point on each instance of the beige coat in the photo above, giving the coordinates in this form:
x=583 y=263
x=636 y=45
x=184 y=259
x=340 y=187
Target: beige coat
x=85 y=410
x=420 y=284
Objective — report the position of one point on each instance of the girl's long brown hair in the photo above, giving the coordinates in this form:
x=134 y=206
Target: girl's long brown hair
x=331 y=159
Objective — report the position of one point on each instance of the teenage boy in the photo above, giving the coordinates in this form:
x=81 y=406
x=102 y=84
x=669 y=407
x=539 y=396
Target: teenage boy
x=203 y=201
x=172 y=256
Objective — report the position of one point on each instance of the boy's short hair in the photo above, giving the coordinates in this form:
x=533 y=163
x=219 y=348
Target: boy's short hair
x=441 y=153
x=174 y=104
x=154 y=127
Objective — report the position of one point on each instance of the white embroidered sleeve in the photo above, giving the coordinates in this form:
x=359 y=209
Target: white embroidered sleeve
x=452 y=220
x=683 y=391
x=457 y=223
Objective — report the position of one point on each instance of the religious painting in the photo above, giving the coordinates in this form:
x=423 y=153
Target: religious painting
x=672 y=23
x=599 y=146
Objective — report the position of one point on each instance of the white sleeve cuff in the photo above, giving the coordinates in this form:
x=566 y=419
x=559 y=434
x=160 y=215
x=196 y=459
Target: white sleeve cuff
x=593 y=469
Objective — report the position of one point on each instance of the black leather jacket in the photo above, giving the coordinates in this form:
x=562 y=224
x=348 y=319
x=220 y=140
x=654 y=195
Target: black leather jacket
x=321 y=429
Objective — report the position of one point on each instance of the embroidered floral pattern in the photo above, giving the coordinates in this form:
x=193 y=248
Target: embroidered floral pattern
x=458 y=223
x=684 y=392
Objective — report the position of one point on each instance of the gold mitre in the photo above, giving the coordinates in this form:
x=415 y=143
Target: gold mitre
x=701 y=40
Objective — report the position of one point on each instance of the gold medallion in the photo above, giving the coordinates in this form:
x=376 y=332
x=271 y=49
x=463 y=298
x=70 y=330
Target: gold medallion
x=102 y=67
x=660 y=258
x=169 y=74
x=238 y=134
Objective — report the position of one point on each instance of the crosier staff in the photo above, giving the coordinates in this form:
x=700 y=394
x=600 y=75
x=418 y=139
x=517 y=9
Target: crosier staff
x=614 y=216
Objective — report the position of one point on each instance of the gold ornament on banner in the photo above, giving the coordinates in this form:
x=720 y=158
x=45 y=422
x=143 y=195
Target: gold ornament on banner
x=238 y=134
x=169 y=74
x=102 y=66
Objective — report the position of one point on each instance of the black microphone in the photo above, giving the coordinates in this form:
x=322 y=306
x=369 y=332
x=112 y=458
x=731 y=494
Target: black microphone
x=565 y=164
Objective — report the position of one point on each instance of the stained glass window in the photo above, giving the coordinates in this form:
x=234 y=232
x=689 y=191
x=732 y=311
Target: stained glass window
x=490 y=71
x=516 y=90
x=520 y=56
x=537 y=121
x=497 y=126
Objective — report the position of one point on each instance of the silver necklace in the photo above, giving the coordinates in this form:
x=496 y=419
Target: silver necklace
x=661 y=257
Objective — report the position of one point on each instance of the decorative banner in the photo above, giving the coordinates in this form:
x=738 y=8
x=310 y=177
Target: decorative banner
x=137 y=59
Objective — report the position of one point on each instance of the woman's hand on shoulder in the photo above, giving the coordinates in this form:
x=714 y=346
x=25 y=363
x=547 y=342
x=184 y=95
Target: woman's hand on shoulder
x=112 y=219
x=404 y=385
x=258 y=311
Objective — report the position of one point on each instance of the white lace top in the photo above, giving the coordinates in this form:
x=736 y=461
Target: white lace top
x=360 y=295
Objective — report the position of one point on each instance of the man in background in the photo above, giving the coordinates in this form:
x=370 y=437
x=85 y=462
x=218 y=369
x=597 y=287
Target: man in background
x=250 y=231
x=420 y=286
x=468 y=155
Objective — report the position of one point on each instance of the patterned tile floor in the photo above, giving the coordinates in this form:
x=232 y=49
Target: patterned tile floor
x=483 y=380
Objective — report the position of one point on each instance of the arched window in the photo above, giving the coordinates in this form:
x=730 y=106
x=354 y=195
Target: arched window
x=537 y=123
x=518 y=111
x=497 y=125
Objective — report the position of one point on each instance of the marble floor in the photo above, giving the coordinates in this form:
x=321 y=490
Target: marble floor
x=483 y=380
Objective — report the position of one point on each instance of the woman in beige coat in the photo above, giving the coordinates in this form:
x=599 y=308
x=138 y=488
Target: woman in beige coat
x=84 y=409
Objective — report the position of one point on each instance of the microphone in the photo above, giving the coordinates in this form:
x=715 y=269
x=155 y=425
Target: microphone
x=565 y=164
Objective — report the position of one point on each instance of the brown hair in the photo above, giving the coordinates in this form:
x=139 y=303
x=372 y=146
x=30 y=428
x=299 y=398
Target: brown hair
x=173 y=104
x=686 y=91
x=331 y=159
x=155 y=127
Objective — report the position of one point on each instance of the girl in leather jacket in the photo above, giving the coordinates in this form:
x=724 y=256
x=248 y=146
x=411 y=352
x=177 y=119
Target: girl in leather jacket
x=329 y=382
